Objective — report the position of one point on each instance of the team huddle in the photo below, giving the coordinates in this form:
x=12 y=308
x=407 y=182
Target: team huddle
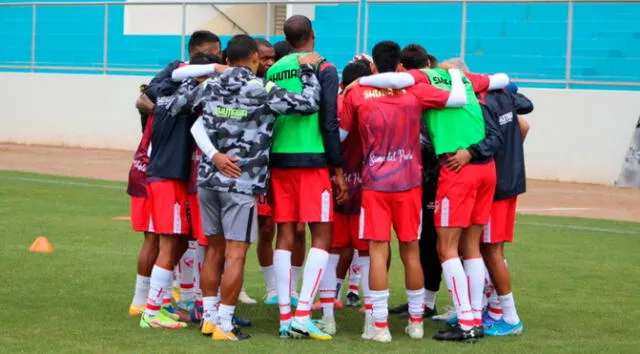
x=237 y=142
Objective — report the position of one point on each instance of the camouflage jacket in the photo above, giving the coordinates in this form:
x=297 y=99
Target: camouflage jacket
x=239 y=111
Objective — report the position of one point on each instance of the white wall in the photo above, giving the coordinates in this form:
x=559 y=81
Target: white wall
x=72 y=110
x=580 y=135
x=576 y=135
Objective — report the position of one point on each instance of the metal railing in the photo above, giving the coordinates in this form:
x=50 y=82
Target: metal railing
x=361 y=32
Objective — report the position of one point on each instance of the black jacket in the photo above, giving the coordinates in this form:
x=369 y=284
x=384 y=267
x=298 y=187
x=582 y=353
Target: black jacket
x=501 y=109
x=152 y=89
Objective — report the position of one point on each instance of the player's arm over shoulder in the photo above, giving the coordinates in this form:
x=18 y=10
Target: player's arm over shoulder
x=282 y=101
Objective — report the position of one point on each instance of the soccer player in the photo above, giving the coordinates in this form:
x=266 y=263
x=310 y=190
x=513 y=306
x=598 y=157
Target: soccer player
x=504 y=107
x=199 y=42
x=266 y=227
x=346 y=216
x=239 y=109
x=462 y=197
x=167 y=173
x=141 y=219
x=389 y=122
x=415 y=56
x=282 y=49
x=302 y=152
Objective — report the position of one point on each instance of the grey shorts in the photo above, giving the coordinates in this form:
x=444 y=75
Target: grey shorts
x=232 y=214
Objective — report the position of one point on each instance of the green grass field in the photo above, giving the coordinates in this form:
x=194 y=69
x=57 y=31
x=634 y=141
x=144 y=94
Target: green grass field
x=576 y=283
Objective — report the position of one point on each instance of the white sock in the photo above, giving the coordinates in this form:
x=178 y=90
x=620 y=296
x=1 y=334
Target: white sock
x=430 y=299
x=474 y=268
x=282 y=266
x=509 y=309
x=142 y=290
x=295 y=277
x=365 y=263
x=493 y=303
x=328 y=286
x=459 y=290
x=269 y=275
x=225 y=314
x=314 y=267
x=355 y=274
x=380 y=300
x=187 y=270
x=415 y=300
x=196 y=276
x=210 y=309
x=159 y=284
x=339 y=283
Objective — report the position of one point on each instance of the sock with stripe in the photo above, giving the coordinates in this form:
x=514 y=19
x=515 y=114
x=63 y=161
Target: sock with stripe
x=210 y=309
x=415 y=300
x=187 y=269
x=142 y=290
x=328 y=286
x=225 y=315
x=494 y=309
x=282 y=266
x=509 y=307
x=365 y=263
x=430 y=299
x=269 y=275
x=314 y=268
x=295 y=278
x=459 y=290
x=160 y=283
x=380 y=301
x=474 y=268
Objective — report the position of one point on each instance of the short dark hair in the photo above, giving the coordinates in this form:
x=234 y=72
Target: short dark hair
x=297 y=30
x=433 y=61
x=263 y=42
x=353 y=71
x=199 y=38
x=205 y=58
x=282 y=49
x=386 y=56
x=241 y=47
x=414 y=56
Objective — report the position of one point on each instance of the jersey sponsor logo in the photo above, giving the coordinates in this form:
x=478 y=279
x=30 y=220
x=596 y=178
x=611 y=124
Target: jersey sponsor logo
x=506 y=118
x=232 y=113
x=393 y=155
x=438 y=80
x=377 y=93
x=284 y=75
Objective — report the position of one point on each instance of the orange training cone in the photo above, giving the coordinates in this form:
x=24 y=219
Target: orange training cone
x=41 y=244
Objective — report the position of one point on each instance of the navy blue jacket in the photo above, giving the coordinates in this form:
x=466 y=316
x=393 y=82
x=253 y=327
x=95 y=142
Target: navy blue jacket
x=501 y=109
x=171 y=141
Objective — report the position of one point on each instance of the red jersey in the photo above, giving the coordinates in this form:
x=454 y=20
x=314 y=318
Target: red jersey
x=352 y=155
x=192 y=186
x=137 y=186
x=479 y=82
x=389 y=122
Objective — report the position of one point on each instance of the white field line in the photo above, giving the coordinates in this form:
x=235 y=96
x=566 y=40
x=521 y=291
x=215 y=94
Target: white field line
x=64 y=183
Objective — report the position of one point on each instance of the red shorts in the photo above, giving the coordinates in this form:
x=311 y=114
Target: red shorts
x=264 y=209
x=301 y=195
x=169 y=207
x=381 y=210
x=502 y=221
x=141 y=214
x=464 y=198
x=346 y=229
x=195 y=219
